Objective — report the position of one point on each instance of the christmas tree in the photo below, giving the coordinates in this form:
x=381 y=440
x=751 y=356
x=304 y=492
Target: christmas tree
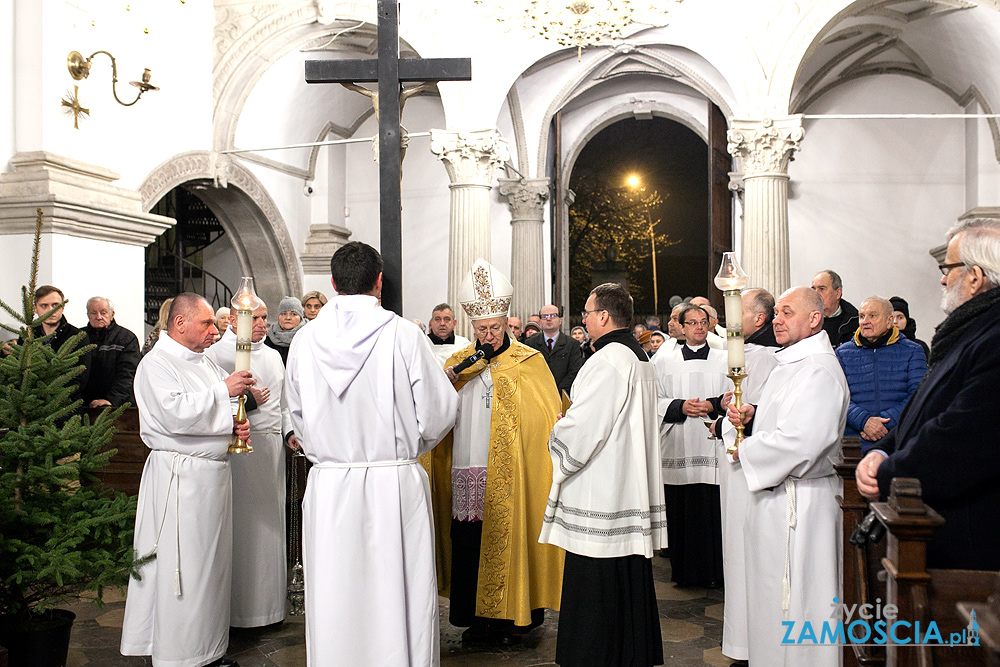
x=60 y=532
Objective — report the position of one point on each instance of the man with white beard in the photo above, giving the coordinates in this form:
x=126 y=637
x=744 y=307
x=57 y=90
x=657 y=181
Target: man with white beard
x=793 y=517
x=179 y=611
x=259 y=562
x=366 y=398
x=944 y=435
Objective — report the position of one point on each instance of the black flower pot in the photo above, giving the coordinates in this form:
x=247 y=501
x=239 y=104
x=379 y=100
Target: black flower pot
x=40 y=641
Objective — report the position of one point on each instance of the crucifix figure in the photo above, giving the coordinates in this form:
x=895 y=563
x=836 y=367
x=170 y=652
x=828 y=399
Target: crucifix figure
x=404 y=94
x=389 y=71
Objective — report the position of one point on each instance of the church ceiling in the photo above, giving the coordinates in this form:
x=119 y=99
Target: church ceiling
x=883 y=37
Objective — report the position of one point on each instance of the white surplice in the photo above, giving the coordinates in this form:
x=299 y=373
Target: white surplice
x=471 y=450
x=735 y=495
x=445 y=350
x=687 y=454
x=606 y=499
x=366 y=398
x=259 y=560
x=179 y=611
x=793 y=527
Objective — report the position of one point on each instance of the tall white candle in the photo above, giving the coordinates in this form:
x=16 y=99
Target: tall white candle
x=244 y=330
x=734 y=329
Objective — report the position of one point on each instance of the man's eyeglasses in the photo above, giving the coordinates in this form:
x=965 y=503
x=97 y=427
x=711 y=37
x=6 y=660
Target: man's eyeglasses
x=549 y=316
x=693 y=323
x=584 y=313
x=496 y=330
x=946 y=268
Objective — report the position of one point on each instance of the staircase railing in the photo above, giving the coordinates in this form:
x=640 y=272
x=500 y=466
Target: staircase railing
x=194 y=278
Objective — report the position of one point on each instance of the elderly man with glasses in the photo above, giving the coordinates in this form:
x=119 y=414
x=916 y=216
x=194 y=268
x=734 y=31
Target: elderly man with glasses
x=491 y=476
x=689 y=376
x=944 y=436
x=561 y=353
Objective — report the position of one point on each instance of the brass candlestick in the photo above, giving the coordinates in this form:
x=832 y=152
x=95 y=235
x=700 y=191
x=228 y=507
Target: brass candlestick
x=237 y=445
x=737 y=375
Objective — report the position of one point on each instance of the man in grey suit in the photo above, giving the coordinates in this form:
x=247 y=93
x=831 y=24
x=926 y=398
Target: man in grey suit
x=561 y=352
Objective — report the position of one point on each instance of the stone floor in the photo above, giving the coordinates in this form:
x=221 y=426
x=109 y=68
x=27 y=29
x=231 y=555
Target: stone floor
x=691 y=620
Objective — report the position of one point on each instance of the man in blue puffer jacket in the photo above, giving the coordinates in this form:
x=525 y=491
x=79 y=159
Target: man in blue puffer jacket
x=883 y=368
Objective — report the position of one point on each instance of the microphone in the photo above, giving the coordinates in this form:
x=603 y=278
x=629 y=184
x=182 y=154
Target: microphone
x=468 y=361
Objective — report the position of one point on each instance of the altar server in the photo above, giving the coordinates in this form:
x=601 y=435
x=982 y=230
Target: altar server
x=259 y=561
x=689 y=376
x=606 y=502
x=179 y=611
x=793 y=526
x=366 y=397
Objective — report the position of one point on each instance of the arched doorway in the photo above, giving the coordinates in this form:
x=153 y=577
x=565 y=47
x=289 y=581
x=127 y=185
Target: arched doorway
x=256 y=240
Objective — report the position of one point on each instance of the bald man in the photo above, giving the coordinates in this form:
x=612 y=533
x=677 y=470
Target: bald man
x=793 y=524
x=883 y=369
x=179 y=611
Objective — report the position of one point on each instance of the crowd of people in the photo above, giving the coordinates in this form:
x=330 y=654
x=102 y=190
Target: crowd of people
x=527 y=469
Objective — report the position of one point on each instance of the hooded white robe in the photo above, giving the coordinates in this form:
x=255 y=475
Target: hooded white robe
x=735 y=495
x=793 y=526
x=366 y=398
x=179 y=611
x=259 y=560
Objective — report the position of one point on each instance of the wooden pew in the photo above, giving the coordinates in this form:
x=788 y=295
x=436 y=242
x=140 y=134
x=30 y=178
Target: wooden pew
x=124 y=470
x=862 y=583
x=987 y=616
x=923 y=594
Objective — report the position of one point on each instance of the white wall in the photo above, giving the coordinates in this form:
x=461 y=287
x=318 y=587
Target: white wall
x=81 y=268
x=870 y=198
x=7 y=97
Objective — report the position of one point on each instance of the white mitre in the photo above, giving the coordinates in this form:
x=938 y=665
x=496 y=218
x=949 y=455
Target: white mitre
x=485 y=292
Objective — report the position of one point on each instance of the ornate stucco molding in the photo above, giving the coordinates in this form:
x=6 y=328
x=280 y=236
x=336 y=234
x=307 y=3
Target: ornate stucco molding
x=471 y=158
x=77 y=199
x=765 y=146
x=526 y=197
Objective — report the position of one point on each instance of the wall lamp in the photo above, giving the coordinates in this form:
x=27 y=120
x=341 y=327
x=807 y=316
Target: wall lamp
x=79 y=69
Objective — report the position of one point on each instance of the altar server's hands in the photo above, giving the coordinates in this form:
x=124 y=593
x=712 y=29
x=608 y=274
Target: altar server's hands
x=261 y=395
x=695 y=407
x=865 y=475
x=239 y=382
x=742 y=416
x=242 y=431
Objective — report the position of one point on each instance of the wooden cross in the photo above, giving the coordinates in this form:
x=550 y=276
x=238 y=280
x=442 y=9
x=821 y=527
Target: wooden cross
x=390 y=72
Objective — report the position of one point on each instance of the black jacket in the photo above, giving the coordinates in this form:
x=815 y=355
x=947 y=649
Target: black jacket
x=112 y=370
x=946 y=438
x=842 y=327
x=564 y=361
x=64 y=331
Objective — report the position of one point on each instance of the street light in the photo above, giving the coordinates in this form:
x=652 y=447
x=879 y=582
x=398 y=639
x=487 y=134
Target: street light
x=634 y=183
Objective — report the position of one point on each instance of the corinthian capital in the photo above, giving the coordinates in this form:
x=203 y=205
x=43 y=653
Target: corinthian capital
x=765 y=146
x=525 y=196
x=470 y=157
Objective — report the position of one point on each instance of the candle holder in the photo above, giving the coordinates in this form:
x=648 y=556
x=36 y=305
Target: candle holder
x=731 y=279
x=737 y=376
x=244 y=302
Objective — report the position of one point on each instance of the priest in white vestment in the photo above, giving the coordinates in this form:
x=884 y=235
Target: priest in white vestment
x=179 y=611
x=366 y=398
x=691 y=379
x=760 y=346
x=444 y=341
x=605 y=506
x=259 y=559
x=793 y=526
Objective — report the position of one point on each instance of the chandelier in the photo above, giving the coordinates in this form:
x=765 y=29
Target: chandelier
x=579 y=23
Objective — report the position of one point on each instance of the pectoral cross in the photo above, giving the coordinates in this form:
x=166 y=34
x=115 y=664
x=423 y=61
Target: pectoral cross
x=389 y=71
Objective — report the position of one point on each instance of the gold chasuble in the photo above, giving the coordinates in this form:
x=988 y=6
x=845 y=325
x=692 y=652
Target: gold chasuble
x=516 y=573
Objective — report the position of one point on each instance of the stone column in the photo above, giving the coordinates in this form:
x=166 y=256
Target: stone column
x=471 y=159
x=764 y=148
x=527 y=198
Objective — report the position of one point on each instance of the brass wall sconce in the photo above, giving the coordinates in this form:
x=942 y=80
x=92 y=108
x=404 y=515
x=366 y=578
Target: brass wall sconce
x=79 y=69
